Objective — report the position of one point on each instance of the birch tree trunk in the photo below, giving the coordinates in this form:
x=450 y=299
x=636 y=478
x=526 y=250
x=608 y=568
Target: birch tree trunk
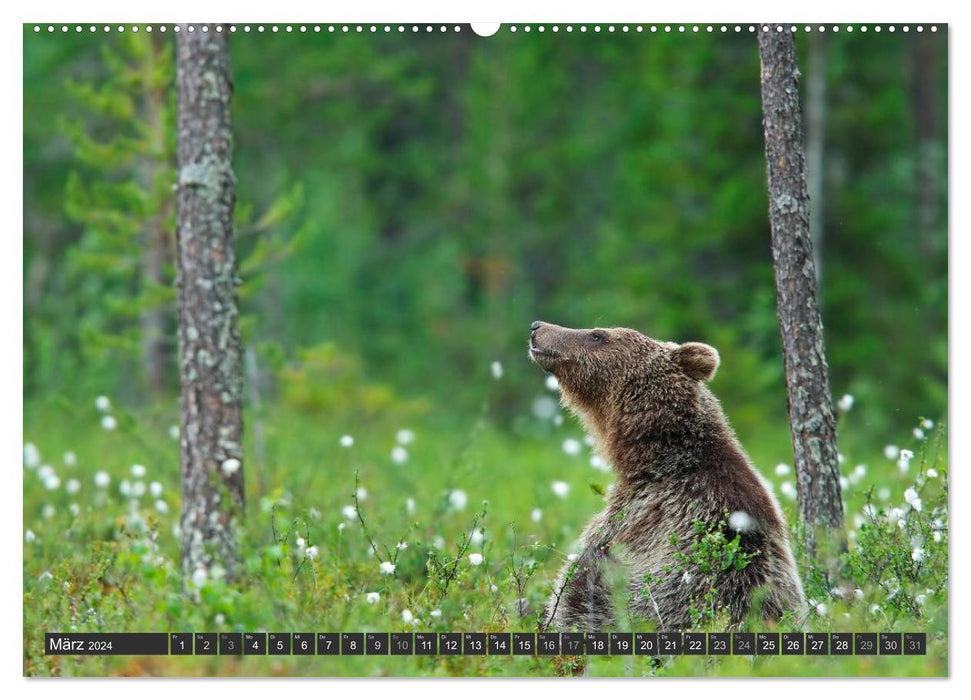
x=210 y=346
x=807 y=375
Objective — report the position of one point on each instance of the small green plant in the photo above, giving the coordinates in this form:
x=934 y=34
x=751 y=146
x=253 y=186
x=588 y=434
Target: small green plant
x=711 y=554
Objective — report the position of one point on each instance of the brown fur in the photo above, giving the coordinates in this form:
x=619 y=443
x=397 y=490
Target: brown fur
x=677 y=461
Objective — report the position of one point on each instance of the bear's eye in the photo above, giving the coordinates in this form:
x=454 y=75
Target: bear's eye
x=597 y=336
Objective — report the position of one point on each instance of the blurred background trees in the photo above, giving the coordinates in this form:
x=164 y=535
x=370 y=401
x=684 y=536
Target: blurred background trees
x=409 y=203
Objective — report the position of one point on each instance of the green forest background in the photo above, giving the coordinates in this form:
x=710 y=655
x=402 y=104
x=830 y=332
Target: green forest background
x=407 y=204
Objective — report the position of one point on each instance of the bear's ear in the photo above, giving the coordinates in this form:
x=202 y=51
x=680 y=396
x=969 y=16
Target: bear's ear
x=697 y=360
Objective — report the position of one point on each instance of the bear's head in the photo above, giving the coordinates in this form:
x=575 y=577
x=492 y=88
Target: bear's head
x=622 y=383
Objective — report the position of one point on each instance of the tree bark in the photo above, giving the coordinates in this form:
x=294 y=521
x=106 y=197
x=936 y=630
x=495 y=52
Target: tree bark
x=210 y=345
x=807 y=376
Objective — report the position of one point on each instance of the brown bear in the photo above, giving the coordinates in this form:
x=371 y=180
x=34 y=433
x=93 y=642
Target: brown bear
x=681 y=477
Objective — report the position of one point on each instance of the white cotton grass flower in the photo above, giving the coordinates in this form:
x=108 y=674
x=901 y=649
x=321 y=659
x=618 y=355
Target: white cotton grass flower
x=560 y=488
x=536 y=515
x=387 y=568
x=781 y=469
x=874 y=609
x=31 y=455
x=918 y=433
x=399 y=455
x=349 y=512
x=572 y=446
x=70 y=459
x=103 y=404
x=138 y=471
x=740 y=521
x=161 y=506
x=72 y=486
x=912 y=497
x=405 y=436
x=155 y=488
x=347 y=441
x=883 y=493
x=436 y=613
x=859 y=471
x=821 y=609
x=373 y=597
x=858 y=593
x=407 y=615
x=29 y=536
x=844 y=483
x=891 y=452
x=558 y=420
x=544 y=407
x=109 y=422
x=410 y=506
x=401 y=546
x=361 y=493
x=174 y=432
x=788 y=489
x=927 y=424
x=477 y=536
x=102 y=479
x=75 y=509
x=341 y=526
x=938 y=536
x=551 y=383
x=458 y=499
x=48 y=512
x=599 y=463
x=573 y=556
x=438 y=542
x=52 y=482
x=931 y=473
x=475 y=559
x=918 y=554
x=231 y=466
x=312 y=552
x=845 y=403
x=904 y=462
x=495 y=369
x=138 y=489
x=46 y=576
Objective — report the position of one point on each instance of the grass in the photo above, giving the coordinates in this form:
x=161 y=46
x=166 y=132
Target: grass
x=98 y=560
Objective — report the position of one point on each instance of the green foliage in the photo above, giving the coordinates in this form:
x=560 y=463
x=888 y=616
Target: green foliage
x=322 y=518
x=418 y=202
x=325 y=380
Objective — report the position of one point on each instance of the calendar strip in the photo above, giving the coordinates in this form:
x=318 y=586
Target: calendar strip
x=487 y=643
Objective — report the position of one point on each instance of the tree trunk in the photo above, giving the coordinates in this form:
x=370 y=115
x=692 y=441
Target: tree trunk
x=810 y=404
x=154 y=321
x=927 y=127
x=816 y=146
x=210 y=346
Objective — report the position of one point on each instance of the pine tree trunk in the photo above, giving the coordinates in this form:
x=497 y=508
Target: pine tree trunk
x=807 y=376
x=210 y=346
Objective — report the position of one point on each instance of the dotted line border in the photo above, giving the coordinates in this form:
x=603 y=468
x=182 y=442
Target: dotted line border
x=511 y=28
